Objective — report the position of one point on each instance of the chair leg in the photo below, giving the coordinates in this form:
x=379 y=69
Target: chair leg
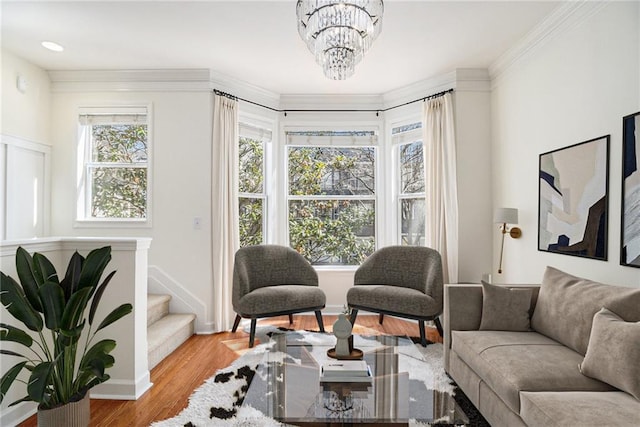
x=252 y=333
x=354 y=314
x=380 y=318
x=439 y=326
x=236 y=323
x=290 y=319
x=319 y=319
x=423 y=335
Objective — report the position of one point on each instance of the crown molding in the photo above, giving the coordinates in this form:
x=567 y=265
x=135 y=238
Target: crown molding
x=242 y=89
x=182 y=80
x=566 y=16
x=330 y=102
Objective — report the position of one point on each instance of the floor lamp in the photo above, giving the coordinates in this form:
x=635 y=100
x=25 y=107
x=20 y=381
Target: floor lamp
x=504 y=216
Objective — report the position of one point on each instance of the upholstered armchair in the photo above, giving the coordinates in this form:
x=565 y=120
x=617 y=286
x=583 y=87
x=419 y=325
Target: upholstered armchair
x=272 y=280
x=400 y=281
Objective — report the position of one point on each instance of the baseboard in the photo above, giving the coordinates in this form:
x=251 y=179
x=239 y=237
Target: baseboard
x=122 y=389
x=17 y=414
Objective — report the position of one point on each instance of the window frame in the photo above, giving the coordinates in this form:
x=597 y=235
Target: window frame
x=251 y=128
x=83 y=218
x=330 y=142
x=398 y=140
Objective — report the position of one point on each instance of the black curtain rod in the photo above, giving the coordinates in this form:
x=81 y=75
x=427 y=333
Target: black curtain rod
x=285 y=111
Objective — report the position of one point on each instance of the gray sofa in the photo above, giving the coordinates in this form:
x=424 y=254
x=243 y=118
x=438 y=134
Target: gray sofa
x=557 y=370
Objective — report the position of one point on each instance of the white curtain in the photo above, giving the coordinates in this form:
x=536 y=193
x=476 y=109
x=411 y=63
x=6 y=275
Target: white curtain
x=224 y=207
x=441 y=183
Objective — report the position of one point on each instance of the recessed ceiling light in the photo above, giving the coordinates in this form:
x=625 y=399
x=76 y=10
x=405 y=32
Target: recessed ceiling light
x=52 y=46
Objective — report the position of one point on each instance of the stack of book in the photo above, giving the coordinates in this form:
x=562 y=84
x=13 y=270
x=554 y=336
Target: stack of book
x=345 y=371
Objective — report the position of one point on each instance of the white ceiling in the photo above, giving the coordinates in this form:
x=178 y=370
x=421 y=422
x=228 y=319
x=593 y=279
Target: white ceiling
x=257 y=41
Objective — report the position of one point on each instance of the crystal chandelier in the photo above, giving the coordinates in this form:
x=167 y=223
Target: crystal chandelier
x=339 y=32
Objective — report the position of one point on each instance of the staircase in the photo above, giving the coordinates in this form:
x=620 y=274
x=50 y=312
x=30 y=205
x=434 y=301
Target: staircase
x=165 y=331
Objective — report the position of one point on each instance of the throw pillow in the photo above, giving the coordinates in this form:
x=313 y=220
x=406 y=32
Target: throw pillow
x=613 y=352
x=505 y=309
x=566 y=305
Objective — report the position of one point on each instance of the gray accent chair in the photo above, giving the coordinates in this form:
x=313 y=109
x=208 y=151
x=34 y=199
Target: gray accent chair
x=272 y=280
x=400 y=281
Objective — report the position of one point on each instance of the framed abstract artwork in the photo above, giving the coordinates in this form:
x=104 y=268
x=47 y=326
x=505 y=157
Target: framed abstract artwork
x=630 y=224
x=573 y=200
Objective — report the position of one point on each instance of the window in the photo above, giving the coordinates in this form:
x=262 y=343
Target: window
x=114 y=151
x=411 y=192
x=331 y=196
x=252 y=199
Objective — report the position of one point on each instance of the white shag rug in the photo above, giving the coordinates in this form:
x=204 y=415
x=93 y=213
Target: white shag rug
x=220 y=394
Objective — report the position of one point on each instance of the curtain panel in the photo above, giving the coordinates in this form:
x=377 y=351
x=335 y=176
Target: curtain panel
x=224 y=207
x=441 y=183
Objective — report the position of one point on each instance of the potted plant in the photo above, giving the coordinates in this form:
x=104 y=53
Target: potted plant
x=63 y=360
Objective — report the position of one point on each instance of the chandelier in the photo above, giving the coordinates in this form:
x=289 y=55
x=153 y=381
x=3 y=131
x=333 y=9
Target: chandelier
x=339 y=32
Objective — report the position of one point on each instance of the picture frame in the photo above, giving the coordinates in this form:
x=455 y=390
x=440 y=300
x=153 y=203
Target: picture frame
x=630 y=205
x=573 y=199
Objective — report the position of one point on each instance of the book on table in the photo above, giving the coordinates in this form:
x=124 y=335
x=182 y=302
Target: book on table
x=345 y=371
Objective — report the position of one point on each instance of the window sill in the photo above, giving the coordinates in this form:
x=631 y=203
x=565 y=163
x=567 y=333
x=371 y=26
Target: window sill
x=111 y=223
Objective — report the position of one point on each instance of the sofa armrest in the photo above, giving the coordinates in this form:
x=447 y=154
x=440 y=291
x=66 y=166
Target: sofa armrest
x=463 y=310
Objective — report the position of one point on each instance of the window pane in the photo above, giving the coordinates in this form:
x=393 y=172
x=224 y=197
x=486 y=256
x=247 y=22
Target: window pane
x=119 y=143
x=411 y=168
x=332 y=231
x=413 y=222
x=119 y=192
x=331 y=171
x=251 y=154
x=251 y=216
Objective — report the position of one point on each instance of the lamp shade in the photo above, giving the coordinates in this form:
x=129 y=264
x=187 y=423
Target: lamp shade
x=505 y=216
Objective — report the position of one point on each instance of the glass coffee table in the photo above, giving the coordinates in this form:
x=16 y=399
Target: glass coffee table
x=287 y=385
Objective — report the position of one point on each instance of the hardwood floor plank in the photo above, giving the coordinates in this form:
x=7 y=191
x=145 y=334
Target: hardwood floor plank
x=176 y=377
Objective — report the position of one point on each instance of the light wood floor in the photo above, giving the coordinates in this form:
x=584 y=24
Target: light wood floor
x=176 y=377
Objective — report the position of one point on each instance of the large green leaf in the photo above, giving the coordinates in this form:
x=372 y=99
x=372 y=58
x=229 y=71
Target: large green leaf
x=116 y=314
x=98 y=296
x=93 y=267
x=74 y=309
x=72 y=276
x=11 y=333
x=52 y=297
x=96 y=351
x=39 y=380
x=44 y=268
x=17 y=304
x=11 y=353
x=27 y=276
x=9 y=377
x=67 y=338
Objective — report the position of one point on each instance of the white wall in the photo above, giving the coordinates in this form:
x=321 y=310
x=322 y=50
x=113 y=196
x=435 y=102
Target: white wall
x=571 y=88
x=25 y=115
x=181 y=169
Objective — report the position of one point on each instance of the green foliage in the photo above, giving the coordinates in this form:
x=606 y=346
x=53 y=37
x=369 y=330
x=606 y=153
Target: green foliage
x=60 y=372
x=251 y=155
x=339 y=229
x=119 y=184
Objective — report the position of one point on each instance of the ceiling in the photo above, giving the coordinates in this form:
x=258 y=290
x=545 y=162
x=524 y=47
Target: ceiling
x=257 y=41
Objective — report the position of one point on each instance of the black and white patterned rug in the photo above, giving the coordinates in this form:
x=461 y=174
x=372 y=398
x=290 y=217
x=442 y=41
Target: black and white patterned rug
x=218 y=402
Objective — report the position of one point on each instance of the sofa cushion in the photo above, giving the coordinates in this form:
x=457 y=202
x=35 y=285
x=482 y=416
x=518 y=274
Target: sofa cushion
x=511 y=362
x=566 y=306
x=613 y=355
x=273 y=299
x=394 y=299
x=579 y=408
x=505 y=309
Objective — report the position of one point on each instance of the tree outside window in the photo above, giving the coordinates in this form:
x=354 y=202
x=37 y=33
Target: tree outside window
x=411 y=195
x=331 y=202
x=251 y=189
x=116 y=166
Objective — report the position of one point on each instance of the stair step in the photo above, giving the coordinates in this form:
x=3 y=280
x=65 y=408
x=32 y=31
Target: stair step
x=167 y=334
x=157 y=307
